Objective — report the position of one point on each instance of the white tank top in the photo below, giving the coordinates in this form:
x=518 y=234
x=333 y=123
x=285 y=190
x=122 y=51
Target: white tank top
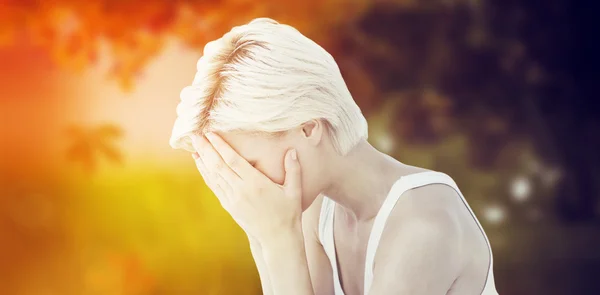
x=402 y=185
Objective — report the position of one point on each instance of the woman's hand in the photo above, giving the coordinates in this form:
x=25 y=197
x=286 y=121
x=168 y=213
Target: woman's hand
x=261 y=207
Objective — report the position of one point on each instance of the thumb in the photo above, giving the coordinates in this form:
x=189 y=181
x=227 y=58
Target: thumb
x=292 y=183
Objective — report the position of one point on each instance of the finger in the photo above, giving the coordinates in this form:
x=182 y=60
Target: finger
x=293 y=179
x=206 y=176
x=236 y=162
x=216 y=180
x=213 y=161
x=220 y=190
x=221 y=182
x=201 y=168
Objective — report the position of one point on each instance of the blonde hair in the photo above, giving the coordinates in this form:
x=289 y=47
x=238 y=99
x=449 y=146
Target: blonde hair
x=267 y=77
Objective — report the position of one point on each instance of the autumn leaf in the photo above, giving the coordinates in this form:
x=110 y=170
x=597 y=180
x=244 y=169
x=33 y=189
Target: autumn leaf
x=87 y=145
x=135 y=33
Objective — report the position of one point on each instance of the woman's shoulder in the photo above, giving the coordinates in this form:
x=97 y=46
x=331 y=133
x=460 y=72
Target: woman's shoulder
x=422 y=216
x=424 y=200
x=435 y=203
x=435 y=206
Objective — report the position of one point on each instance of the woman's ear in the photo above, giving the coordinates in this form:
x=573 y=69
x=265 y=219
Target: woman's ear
x=313 y=130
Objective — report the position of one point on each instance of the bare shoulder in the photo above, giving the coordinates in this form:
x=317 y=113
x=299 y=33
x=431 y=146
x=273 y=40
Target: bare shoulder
x=421 y=250
x=431 y=243
x=428 y=215
x=439 y=206
x=435 y=205
x=434 y=214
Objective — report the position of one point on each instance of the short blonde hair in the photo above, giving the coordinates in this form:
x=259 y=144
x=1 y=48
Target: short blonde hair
x=267 y=77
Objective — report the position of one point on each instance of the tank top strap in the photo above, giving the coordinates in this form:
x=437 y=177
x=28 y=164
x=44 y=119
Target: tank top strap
x=324 y=217
x=327 y=240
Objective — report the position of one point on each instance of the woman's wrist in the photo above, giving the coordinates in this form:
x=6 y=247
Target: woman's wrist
x=285 y=257
x=283 y=239
x=257 y=254
x=277 y=239
x=281 y=232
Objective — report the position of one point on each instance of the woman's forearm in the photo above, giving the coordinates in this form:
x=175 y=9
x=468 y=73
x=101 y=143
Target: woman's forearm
x=285 y=258
x=265 y=281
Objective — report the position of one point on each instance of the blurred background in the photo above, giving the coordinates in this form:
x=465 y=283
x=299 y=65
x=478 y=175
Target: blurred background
x=93 y=200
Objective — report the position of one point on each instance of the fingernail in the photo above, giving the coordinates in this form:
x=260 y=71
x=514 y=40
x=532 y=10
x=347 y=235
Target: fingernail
x=294 y=155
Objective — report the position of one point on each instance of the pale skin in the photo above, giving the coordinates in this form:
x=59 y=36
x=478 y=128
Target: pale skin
x=271 y=186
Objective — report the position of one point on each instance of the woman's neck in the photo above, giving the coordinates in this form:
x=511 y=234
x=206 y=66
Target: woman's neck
x=362 y=180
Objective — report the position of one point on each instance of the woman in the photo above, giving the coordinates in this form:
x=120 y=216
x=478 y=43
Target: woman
x=279 y=139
